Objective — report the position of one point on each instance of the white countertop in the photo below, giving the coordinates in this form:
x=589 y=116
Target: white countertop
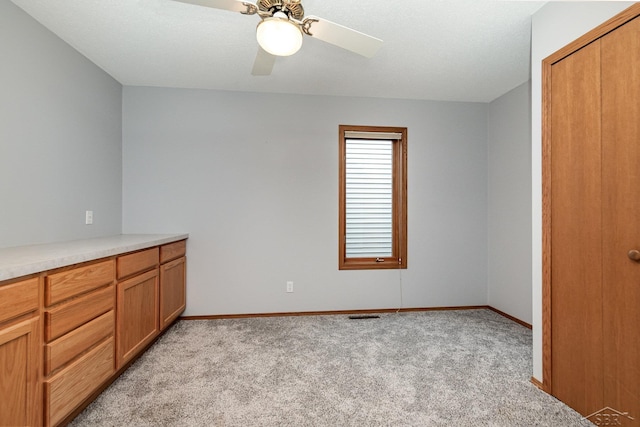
x=23 y=260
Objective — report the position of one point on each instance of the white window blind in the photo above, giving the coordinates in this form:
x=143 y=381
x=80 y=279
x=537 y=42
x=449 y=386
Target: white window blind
x=369 y=197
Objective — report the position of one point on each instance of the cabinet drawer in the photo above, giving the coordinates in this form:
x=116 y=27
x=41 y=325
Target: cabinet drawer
x=173 y=251
x=69 y=346
x=66 y=317
x=18 y=298
x=67 y=389
x=66 y=284
x=137 y=262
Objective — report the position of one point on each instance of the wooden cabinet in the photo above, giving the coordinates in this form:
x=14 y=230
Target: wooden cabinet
x=19 y=378
x=172 y=291
x=79 y=330
x=64 y=318
x=150 y=300
x=137 y=262
x=172 y=251
x=62 y=351
x=592 y=236
x=172 y=282
x=65 y=334
x=138 y=298
x=18 y=298
x=138 y=314
x=76 y=281
x=66 y=390
x=20 y=361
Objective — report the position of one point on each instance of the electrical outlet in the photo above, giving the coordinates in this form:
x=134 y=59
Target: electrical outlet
x=289 y=286
x=88 y=217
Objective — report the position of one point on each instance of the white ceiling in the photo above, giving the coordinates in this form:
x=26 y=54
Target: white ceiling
x=455 y=50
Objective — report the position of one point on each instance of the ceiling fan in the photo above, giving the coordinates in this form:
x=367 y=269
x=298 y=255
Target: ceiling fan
x=282 y=25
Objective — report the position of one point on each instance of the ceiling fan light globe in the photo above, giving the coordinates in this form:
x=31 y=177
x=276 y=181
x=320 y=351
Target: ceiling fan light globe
x=278 y=36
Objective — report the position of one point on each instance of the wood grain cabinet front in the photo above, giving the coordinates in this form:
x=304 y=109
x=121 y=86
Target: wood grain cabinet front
x=172 y=291
x=173 y=280
x=66 y=317
x=69 y=283
x=137 y=314
x=18 y=298
x=66 y=348
x=79 y=335
x=137 y=262
x=66 y=390
x=19 y=374
x=172 y=251
x=20 y=356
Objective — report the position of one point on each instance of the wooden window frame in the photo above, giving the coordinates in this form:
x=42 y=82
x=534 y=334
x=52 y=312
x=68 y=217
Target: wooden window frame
x=398 y=259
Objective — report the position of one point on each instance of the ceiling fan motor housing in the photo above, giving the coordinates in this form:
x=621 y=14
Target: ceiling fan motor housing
x=292 y=8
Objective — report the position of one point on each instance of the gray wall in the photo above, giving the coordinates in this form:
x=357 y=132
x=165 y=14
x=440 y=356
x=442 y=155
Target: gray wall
x=553 y=26
x=254 y=179
x=60 y=138
x=509 y=202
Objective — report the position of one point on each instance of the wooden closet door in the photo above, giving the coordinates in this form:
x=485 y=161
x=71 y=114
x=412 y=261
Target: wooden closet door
x=576 y=232
x=621 y=218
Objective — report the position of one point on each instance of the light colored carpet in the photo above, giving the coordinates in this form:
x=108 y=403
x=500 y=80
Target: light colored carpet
x=440 y=368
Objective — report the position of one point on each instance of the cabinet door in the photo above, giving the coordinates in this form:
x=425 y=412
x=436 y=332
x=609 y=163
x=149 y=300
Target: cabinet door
x=172 y=291
x=137 y=319
x=19 y=372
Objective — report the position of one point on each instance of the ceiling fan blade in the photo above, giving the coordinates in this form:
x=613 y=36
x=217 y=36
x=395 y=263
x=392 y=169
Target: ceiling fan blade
x=341 y=36
x=263 y=63
x=232 y=5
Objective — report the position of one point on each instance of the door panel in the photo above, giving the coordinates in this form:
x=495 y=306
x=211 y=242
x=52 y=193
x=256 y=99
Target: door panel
x=172 y=291
x=576 y=268
x=621 y=218
x=19 y=375
x=137 y=317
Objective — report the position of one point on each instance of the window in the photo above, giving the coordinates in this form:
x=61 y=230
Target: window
x=373 y=197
